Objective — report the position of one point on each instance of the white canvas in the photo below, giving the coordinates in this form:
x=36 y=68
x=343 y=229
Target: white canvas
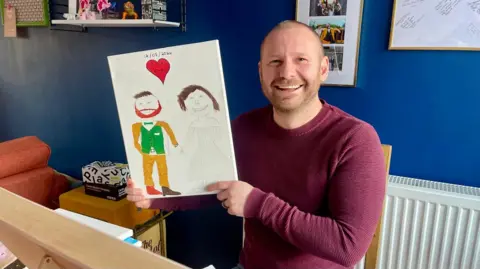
x=187 y=82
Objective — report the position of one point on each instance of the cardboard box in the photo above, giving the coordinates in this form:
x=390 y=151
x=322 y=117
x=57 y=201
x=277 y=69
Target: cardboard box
x=153 y=234
x=110 y=192
x=122 y=213
x=106 y=179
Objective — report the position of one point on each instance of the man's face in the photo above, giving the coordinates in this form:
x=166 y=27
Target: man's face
x=292 y=68
x=147 y=107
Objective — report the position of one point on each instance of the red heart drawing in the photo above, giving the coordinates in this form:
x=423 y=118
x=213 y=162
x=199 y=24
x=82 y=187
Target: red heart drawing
x=159 y=68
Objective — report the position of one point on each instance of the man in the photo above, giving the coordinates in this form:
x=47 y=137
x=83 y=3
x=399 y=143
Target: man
x=312 y=177
x=148 y=138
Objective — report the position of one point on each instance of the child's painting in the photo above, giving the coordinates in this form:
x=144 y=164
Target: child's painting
x=174 y=117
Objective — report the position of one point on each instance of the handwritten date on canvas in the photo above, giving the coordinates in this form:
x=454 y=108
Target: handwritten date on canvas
x=157 y=54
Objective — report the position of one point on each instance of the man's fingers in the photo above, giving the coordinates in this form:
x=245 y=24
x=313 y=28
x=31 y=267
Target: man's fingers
x=142 y=204
x=223 y=195
x=130 y=183
x=135 y=198
x=135 y=195
x=132 y=191
x=221 y=185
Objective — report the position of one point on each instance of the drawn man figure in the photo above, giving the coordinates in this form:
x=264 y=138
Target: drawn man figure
x=149 y=140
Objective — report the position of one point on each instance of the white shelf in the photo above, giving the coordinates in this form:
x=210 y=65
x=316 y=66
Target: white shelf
x=117 y=23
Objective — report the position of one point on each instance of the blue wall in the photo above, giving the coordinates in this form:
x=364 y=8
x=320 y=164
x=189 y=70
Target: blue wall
x=423 y=103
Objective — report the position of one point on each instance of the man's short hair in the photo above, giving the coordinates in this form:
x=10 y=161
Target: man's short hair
x=289 y=23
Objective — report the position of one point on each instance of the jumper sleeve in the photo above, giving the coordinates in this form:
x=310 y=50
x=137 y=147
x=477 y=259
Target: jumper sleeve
x=355 y=200
x=185 y=203
x=136 y=135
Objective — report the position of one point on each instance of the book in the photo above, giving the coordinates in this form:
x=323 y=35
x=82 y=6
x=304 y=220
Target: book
x=174 y=117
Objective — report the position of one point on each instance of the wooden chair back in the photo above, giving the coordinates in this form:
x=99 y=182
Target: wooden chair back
x=372 y=252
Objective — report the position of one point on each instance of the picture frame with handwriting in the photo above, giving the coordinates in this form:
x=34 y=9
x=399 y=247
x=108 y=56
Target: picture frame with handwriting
x=435 y=25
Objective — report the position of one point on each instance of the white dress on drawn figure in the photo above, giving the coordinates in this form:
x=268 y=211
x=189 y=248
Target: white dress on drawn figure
x=207 y=161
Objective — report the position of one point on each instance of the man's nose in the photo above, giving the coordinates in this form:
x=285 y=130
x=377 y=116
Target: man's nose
x=287 y=69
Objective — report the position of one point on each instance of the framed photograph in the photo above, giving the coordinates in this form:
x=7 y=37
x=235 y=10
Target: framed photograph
x=338 y=25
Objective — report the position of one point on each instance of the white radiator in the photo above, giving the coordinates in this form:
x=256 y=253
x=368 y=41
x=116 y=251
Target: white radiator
x=429 y=225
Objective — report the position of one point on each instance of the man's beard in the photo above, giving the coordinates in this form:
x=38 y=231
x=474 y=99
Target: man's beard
x=308 y=97
x=150 y=115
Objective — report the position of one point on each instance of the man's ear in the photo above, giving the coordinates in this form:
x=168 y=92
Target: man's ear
x=260 y=69
x=324 y=68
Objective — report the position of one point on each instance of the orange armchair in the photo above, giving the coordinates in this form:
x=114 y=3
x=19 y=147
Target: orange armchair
x=24 y=170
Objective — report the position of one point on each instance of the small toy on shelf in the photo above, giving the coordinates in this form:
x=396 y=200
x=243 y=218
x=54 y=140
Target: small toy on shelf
x=70 y=16
x=129 y=11
x=103 y=6
x=112 y=12
x=85 y=12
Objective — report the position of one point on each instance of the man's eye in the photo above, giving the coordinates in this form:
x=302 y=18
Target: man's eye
x=275 y=62
x=302 y=59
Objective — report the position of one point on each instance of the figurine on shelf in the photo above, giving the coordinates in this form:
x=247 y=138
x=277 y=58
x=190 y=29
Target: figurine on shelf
x=85 y=12
x=129 y=11
x=112 y=11
x=70 y=16
x=103 y=6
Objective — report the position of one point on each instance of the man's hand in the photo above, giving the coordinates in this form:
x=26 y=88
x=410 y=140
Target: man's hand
x=180 y=148
x=137 y=195
x=233 y=195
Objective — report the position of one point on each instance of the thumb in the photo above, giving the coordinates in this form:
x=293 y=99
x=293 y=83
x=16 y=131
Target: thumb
x=130 y=183
x=221 y=185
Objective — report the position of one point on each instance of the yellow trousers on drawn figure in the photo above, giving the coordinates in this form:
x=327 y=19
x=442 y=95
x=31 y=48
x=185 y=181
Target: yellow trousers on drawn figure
x=161 y=162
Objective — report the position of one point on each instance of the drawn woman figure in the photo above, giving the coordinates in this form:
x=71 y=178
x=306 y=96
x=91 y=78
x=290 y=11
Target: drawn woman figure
x=208 y=161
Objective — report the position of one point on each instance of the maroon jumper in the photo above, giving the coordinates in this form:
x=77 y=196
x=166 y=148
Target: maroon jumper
x=318 y=190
